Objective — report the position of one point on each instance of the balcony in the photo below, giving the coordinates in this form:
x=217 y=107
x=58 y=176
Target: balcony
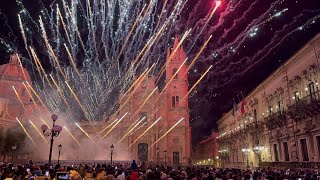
x=276 y=120
x=305 y=108
x=291 y=165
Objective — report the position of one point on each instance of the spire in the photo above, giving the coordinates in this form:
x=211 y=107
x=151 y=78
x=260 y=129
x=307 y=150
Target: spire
x=168 y=53
x=176 y=41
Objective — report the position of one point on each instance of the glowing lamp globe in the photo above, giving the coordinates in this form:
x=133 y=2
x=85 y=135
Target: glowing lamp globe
x=57 y=128
x=54 y=117
x=44 y=128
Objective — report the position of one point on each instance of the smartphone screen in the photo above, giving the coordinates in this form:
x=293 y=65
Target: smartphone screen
x=47 y=173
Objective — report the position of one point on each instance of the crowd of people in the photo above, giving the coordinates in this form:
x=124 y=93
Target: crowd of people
x=131 y=171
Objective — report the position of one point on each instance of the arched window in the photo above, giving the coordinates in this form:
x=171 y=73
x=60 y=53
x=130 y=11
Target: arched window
x=173 y=101
x=177 y=100
x=173 y=72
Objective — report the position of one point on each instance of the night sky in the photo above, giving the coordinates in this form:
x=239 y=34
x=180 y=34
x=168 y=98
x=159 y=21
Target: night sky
x=250 y=39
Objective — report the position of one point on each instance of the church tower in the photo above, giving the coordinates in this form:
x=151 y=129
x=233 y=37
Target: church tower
x=179 y=139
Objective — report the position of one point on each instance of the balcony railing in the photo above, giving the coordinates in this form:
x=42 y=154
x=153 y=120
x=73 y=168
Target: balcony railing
x=291 y=165
x=307 y=107
x=276 y=120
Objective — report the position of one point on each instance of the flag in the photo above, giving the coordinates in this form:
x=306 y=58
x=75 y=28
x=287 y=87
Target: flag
x=243 y=104
x=234 y=108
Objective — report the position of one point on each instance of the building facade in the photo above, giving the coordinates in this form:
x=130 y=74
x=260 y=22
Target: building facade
x=206 y=152
x=12 y=77
x=159 y=118
x=278 y=124
x=167 y=142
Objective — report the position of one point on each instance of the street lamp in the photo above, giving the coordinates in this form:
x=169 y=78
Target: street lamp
x=59 y=148
x=53 y=132
x=246 y=151
x=165 y=157
x=111 y=148
x=14 y=147
x=157 y=151
x=258 y=151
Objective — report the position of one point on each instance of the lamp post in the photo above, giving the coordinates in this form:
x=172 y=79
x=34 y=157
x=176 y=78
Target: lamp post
x=246 y=151
x=258 y=151
x=14 y=147
x=59 y=148
x=157 y=151
x=53 y=132
x=111 y=149
x=165 y=157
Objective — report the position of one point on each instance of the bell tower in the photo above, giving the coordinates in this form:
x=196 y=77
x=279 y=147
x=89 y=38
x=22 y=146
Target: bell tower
x=179 y=139
x=178 y=87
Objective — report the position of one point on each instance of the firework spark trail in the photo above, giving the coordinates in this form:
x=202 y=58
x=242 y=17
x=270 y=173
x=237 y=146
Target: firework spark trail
x=45 y=37
x=141 y=135
x=29 y=93
x=130 y=33
x=84 y=131
x=107 y=27
x=255 y=23
x=77 y=31
x=44 y=122
x=38 y=131
x=141 y=106
x=78 y=101
x=172 y=55
x=72 y=61
x=37 y=61
x=197 y=56
x=166 y=133
x=202 y=76
x=134 y=89
x=25 y=131
x=92 y=30
x=153 y=113
x=15 y=91
x=106 y=128
x=36 y=94
x=239 y=20
x=151 y=44
x=21 y=67
x=218 y=3
x=124 y=136
x=167 y=84
x=113 y=127
x=64 y=26
x=271 y=46
x=23 y=35
x=71 y=135
x=60 y=93
x=138 y=79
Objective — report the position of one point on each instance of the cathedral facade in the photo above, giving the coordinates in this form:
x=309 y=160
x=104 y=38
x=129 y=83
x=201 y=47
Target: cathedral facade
x=167 y=141
x=12 y=77
x=146 y=103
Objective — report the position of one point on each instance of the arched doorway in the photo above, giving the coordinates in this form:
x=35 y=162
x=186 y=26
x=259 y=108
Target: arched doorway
x=143 y=152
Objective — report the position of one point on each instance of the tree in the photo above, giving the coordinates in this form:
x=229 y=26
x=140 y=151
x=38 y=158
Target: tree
x=14 y=137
